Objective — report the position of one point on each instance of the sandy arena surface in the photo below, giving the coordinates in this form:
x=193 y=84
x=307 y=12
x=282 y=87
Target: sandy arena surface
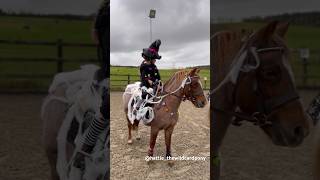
x=22 y=156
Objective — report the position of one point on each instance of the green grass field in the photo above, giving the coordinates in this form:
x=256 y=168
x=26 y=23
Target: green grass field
x=79 y=31
x=45 y=29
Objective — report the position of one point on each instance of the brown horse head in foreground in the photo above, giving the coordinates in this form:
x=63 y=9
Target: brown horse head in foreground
x=253 y=80
x=166 y=112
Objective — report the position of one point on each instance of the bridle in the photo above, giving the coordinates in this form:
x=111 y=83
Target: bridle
x=189 y=94
x=187 y=89
x=266 y=106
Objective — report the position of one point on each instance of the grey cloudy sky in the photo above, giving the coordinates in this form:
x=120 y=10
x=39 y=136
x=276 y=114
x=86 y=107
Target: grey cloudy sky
x=237 y=9
x=182 y=26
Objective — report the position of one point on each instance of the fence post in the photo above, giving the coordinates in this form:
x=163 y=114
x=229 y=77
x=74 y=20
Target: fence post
x=305 y=72
x=304 y=55
x=59 y=55
x=205 y=82
x=128 y=78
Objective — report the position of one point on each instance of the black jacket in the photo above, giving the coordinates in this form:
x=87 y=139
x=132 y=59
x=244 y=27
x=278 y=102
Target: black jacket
x=148 y=72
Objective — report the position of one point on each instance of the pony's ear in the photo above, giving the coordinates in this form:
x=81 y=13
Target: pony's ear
x=198 y=70
x=266 y=32
x=193 y=71
x=282 y=29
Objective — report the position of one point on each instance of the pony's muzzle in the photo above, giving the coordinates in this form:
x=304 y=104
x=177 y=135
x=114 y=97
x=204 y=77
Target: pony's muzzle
x=297 y=136
x=201 y=104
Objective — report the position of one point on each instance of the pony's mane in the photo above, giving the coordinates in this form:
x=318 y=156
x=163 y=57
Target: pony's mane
x=224 y=47
x=179 y=75
x=225 y=44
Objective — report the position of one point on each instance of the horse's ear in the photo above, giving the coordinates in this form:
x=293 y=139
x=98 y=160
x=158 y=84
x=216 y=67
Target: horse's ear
x=266 y=32
x=198 y=70
x=193 y=71
x=282 y=29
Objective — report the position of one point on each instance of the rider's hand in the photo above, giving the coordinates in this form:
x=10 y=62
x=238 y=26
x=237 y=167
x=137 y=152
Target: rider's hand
x=79 y=161
x=79 y=158
x=150 y=82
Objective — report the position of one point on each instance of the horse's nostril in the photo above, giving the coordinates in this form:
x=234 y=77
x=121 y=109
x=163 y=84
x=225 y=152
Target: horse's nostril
x=298 y=131
x=200 y=104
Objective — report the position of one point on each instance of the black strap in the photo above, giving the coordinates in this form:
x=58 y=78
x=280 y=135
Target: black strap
x=239 y=115
x=277 y=102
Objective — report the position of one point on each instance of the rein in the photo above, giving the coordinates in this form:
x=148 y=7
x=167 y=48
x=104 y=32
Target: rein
x=268 y=106
x=186 y=95
x=186 y=81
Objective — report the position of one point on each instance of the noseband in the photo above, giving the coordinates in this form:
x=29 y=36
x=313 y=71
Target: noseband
x=267 y=106
x=189 y=95
x=187 y=91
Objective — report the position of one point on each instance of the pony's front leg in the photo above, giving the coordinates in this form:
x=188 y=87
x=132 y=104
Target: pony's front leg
x=220 y=123
x=168 y=134
x=129 y=133
x=135 y=128
x=153 y=138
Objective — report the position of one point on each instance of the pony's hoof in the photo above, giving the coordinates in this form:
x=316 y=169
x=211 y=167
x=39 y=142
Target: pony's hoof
x=170 y=163
x=130 y=141
x=150 y=162
x=150 y=152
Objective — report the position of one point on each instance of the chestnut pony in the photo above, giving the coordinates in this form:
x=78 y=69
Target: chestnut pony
x=253 y=81
x=182 y=85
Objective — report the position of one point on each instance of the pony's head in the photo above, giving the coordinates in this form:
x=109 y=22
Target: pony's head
x=193 y=89
x=266 y=86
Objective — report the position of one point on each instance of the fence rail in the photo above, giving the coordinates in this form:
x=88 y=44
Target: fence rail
x=38 y=81
x=59 y=59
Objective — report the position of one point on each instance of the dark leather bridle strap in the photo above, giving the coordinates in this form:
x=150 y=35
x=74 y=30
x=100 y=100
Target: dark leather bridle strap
x=170 y=94
x=277 y=102
x=184 y=96
x=256 y=118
